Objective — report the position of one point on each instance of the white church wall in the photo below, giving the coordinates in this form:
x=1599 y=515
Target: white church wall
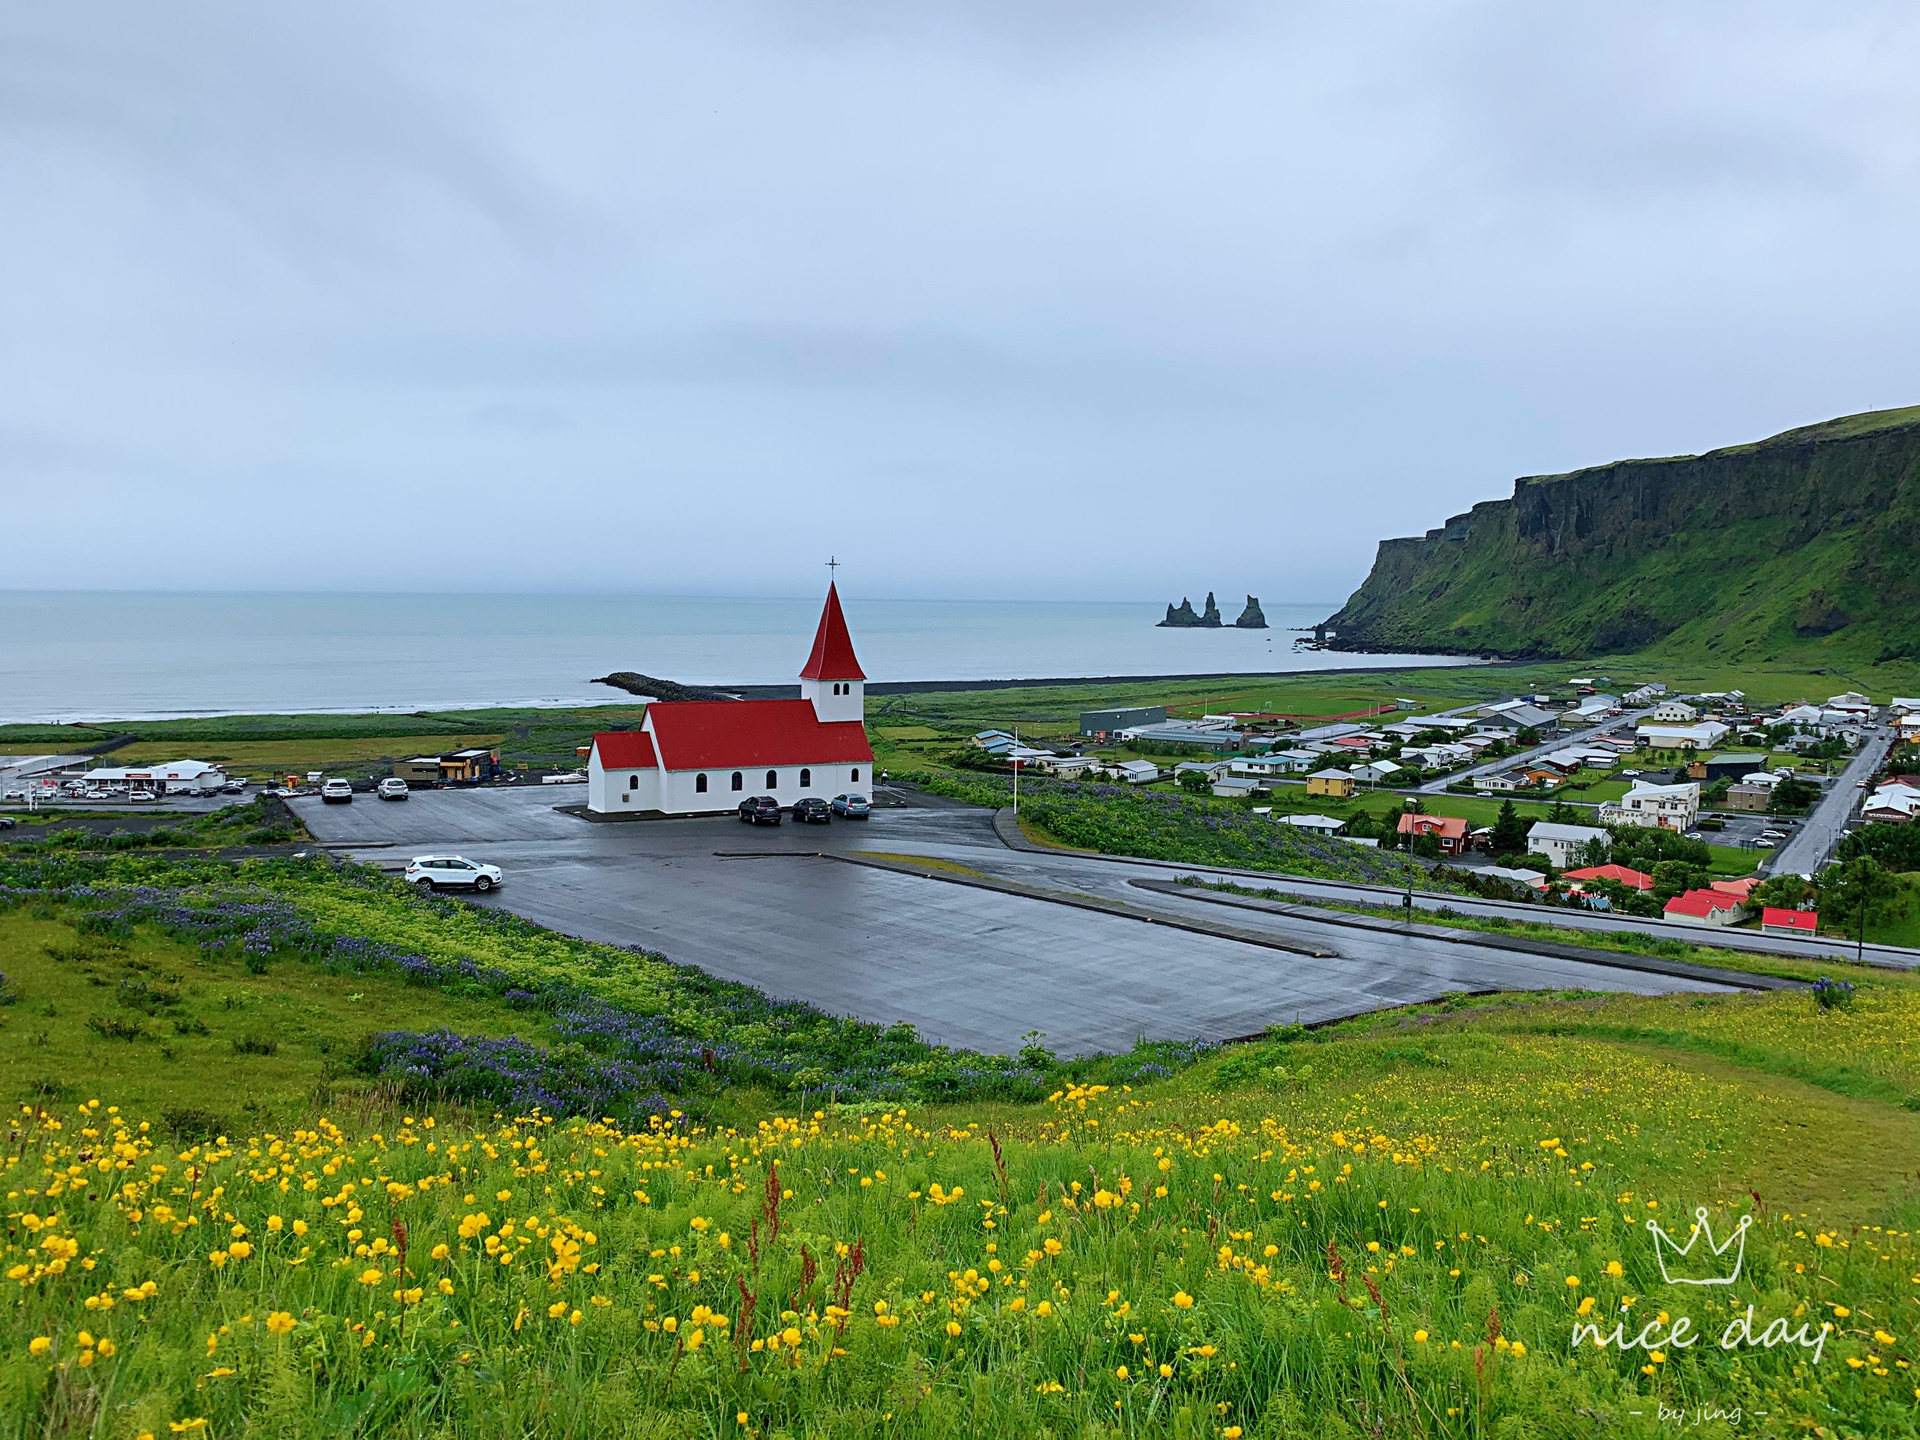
x=681 y=794
x=618 y=790
x=836 y=699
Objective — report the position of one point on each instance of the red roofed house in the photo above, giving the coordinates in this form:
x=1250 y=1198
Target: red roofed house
x=1740 y=889
x=1706 y=907
x=1448 y=829
x=1632 y=879
x=703 y=757
x=1777 y=921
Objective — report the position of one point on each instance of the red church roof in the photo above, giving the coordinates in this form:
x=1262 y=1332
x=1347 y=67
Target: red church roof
x=625 y=750
x=832 y=657
x=736 y=734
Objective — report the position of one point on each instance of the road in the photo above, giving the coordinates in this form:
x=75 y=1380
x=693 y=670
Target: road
x=966 y=966
x=1820 y=832
x=1515 y=761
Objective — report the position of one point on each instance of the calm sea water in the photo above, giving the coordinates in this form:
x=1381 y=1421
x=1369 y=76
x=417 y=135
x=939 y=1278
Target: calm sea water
x=81 y=655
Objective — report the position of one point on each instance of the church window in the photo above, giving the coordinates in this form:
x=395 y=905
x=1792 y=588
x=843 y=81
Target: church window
x=773 y=779
x=806 y=779
x=738 y=783
x=699 y=784
x=633 y=782
x=856 y=774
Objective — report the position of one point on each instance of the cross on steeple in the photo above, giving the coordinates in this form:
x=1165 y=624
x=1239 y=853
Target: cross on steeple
x=833 y=564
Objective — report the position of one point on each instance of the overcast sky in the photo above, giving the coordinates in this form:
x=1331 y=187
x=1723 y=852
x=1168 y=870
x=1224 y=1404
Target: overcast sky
x=1022 y=298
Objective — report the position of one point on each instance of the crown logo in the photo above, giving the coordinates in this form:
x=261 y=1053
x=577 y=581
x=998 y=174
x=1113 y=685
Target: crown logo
x=1664 y=1243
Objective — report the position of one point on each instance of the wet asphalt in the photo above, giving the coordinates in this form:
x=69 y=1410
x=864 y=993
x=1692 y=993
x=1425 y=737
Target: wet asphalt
x=966 y=966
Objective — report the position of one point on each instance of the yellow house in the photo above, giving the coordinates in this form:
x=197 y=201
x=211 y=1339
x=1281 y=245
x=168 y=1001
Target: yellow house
x=1336 y=783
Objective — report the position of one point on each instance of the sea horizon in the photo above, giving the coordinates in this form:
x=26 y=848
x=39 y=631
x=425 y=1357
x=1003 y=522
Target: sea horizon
x=81 y=656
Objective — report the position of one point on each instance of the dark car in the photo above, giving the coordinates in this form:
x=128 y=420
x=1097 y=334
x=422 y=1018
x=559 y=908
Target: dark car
x=812 y=811
x=850 y=807
x=760 y=810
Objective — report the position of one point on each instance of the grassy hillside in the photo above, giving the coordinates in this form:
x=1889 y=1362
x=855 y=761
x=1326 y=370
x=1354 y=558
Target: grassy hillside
x=1390 y=1229
x=302 y=1153
x=1798 y=548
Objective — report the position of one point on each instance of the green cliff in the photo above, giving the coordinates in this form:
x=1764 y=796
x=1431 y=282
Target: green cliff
x=1803 y=546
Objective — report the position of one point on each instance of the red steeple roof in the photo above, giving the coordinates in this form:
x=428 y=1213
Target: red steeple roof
x=832 y=657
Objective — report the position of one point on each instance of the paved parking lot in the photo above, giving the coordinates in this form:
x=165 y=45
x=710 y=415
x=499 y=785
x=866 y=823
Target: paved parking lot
x=968 y=967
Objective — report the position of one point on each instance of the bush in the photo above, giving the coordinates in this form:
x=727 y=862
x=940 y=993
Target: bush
x=1831 y=994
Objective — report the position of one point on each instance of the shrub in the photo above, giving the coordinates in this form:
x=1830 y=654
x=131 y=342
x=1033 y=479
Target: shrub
x=256 y=1044
x=1831 y=994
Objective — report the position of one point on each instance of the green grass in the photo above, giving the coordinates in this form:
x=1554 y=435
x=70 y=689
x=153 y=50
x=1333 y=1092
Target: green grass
x=1321 y=1233
x=191 y=1008
x=1390 y=1227
x=272 y=757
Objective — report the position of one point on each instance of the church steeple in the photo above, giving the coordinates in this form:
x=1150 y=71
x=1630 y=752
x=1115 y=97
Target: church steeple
x=832 y=678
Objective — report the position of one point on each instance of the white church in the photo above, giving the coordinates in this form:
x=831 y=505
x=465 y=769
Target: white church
x=703 y=757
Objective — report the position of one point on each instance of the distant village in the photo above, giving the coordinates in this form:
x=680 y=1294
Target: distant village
x=1706 y=768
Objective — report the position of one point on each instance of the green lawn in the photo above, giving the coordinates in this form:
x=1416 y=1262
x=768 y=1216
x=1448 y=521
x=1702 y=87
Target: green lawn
x=189 y=1009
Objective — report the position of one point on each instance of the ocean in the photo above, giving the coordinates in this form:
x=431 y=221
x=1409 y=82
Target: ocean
x=95 y=655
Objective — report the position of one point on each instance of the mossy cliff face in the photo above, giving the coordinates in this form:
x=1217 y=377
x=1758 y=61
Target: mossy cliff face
x=1804 y=545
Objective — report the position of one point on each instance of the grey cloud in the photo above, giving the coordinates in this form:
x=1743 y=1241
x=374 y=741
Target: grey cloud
x=849 y=267
x=293 y=121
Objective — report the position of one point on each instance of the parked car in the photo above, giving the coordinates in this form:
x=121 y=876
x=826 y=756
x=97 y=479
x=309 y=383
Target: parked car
x=760 y=810
x=812 y=810
x=235 y=787
x=850 y=807
x=7 y=822
x=141 y=797
x=452 y=871
x=392 y=788
x=14 y=795
x=337 y=792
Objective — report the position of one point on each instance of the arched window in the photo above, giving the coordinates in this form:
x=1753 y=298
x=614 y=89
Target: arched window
x=738 y=783
x=856 y=774
x=633 y=782
x=806 y=779
x=773 y=779
x=699 y=784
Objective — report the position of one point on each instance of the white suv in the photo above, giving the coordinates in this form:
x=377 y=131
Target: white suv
x=337 y=792
x=434 y=871
x=392 y=788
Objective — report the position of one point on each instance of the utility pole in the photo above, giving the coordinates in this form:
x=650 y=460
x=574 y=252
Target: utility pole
x=1016 y=772
x=1406 y=903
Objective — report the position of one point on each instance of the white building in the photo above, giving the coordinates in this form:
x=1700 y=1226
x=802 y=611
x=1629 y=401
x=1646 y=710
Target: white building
x=174 y=777
x=1275 y=762
x=1666 y=807
x=1319 y=824
x=1702 y=735
x=703 y=757
x=1674 y=712
x=1561 y=843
